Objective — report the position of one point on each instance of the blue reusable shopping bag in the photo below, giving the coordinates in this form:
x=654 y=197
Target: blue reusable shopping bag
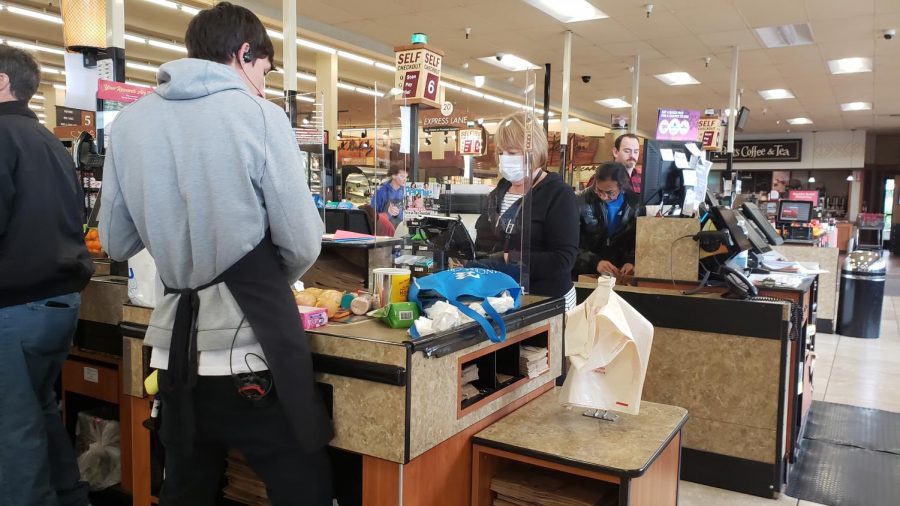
x=463 y=286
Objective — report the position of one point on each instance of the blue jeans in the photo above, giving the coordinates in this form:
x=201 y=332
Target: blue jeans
x=37 y=462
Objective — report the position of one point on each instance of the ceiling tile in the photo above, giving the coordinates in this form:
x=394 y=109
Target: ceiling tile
x=724 y=41
x=759 y=13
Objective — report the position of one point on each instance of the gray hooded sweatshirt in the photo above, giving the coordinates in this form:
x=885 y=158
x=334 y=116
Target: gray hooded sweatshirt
x=196 y=172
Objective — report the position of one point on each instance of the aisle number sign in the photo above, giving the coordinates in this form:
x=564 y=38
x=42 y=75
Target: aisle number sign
x=711 y=133
x=418 y=74
x=470 y=142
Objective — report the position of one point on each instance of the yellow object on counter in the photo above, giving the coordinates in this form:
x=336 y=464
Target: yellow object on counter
x=151 y=383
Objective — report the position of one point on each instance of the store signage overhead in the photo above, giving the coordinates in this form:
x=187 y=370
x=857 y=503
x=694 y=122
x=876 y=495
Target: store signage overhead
x=121 y=92
x=435 y=121
x=768 y=150
x=711 y=133
x=678 y=125
x=71 y=122
x=471 y=142
x=418 y=74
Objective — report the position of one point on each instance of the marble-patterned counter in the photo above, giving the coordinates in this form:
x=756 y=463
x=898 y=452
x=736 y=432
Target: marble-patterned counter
x=829 y=261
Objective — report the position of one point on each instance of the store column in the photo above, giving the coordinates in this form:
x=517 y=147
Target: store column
x=290 y=60
x=326 y=85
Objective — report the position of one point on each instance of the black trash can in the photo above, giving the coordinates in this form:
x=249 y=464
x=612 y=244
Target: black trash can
x=862 y=294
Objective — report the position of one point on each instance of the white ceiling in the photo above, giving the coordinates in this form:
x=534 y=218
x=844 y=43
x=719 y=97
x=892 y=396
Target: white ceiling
x=677 y=37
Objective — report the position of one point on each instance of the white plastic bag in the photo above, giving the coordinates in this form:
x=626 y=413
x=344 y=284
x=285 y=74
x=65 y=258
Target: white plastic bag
x=144 y=285
x=99 y=458
x=608 y=344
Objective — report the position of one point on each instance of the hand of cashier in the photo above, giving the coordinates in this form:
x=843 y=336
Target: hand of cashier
x=607 y=267
x=393 y=210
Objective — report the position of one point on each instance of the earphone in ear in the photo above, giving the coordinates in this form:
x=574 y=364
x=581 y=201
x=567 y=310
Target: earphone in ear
x=248 y=56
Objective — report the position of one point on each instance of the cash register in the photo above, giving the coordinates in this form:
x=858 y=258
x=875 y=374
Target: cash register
x=793 y=219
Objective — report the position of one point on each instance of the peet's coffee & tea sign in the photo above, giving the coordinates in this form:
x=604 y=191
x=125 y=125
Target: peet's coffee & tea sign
x=768 y=150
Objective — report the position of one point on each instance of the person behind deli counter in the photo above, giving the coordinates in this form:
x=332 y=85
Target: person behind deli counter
x=204 y=174
x=554 y=216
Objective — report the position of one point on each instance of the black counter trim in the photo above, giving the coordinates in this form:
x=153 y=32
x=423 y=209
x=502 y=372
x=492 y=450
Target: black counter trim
x=824 y=326
x=621 y=473
x=625 y=491
x=408 y=410
x=713 y=315
x=783 y=391
x=731 y=473
x=133 y=330
x=472 y=333
x=360 y=369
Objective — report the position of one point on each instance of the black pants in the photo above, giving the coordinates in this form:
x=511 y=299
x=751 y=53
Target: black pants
x=260 y=432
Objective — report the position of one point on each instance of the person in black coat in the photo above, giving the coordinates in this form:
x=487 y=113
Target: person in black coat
x=44 y=264
x=553 y=236
x=608 y=212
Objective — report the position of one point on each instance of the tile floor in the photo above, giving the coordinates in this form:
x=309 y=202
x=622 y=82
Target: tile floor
x=859 y=372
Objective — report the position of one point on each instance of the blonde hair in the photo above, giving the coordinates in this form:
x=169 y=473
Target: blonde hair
x=511 y=136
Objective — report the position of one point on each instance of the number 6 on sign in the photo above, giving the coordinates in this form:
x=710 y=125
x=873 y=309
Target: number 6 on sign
x=431 y=86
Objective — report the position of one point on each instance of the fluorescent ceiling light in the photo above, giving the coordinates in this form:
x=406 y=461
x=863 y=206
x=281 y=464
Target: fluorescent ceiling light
x=355 y=57
x=167 y=45
x=34 y=47
x=493 y=98
x=613 y=103
x=141 y=66
x=306 y=77
x=344 y=86
x=677 y=78
x=396 y=91
x=571 y=120
x=36 y=107
x=272 y=91
x=850 y=65
x=800 y=121
x=41 y=115
x=43 y=16
x=164 y=3
x=450 y=86
x=474 y=93
x=856 y=106
x=367 y=91
x=42 y=122
x=785 y=35
x=135 y=38
x=37 y=96
x=189 y=10
x=51 y=70
x=479 y=81
x=568 y=11
x=305 y=99
x=776 y=94
x=315 y=45
x=60 y=87
x=136 y=83
x=510 y=62
x=384 y=66
x=274 y=34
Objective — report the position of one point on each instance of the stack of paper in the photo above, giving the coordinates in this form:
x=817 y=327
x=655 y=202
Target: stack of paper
x=469 y=374
x=533 y=361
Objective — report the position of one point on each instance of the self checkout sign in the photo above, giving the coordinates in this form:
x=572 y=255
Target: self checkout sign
x=470 y=142
x=418 y=74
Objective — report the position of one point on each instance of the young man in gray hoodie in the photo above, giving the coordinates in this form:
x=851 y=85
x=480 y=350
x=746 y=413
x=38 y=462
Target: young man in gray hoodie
x=206 y=174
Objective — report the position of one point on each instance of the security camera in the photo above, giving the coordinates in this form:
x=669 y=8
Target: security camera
x=499 y=56
x=889 y=34
x=585 y=79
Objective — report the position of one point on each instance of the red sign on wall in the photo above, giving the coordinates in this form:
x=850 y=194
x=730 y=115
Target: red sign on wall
x=807 y=195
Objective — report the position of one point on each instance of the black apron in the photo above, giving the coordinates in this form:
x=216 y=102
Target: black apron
x=261 y=289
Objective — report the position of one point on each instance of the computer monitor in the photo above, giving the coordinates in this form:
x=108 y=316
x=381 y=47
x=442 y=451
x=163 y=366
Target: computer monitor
x=662 y=183
x=351 y=220
x=725 y=219
x=445 y=234
x=758 y=218
x=794 y=211
x=757 y=239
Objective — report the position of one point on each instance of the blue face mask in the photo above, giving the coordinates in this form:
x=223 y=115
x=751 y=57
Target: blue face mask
x=512 y=167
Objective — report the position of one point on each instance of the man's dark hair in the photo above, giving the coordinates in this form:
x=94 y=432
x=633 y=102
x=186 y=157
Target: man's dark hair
x=613 y=171
x=23 y=71
x=396 y=169
x=631 y=136
x=217 y=34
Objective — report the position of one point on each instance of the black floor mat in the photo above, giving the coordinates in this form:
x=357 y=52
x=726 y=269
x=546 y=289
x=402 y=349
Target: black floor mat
x=847 y=457
x=872 y=429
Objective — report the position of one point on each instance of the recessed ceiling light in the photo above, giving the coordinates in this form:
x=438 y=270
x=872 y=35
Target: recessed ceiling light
x=856 y=106
x=677 y=78
x=568 y=11
x=613 y=103
x=785 y=35
x=800 y=121
x=850 y=65
x=510 y=62
x=776 y=94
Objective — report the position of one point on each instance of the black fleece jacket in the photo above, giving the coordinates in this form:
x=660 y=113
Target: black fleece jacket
x=595 y=243
x=42 y=250
x=553 y=237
